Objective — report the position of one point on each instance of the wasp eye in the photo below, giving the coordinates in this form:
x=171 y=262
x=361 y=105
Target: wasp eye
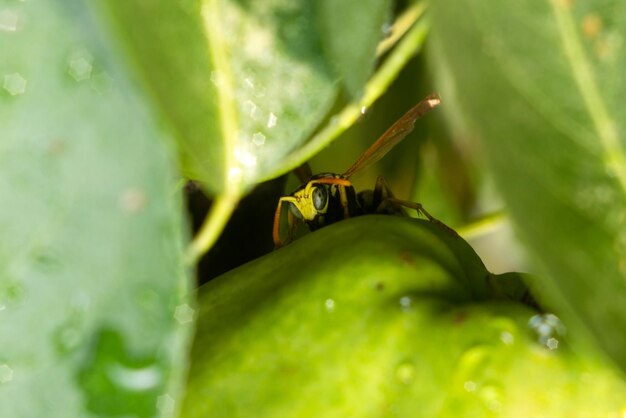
x=296 y=212
x=320 y=196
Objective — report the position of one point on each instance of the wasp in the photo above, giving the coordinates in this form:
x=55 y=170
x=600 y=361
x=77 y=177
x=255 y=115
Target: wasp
x=328 y=197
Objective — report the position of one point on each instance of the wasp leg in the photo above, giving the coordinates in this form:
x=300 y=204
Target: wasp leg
x=419 y=209
x=291 y=227
x=343 y=199
x=384 y=200
x=381 y=199
x=382 y=190
x=276 y=229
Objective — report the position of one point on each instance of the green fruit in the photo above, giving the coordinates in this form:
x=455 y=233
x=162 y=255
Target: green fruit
x=381 y=316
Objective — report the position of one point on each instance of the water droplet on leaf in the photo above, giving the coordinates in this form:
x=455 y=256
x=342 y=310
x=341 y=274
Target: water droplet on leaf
x=184 y=314
x=469 y=386
x=405 y=372
x=80 y=65
x=258 y=139
x=68 y=336
x=118 y=382
x=548 y=327
x=6 y=373
x=491 y=397
x=552 y=343
x=14 y=84
x=8 y=20
x=135 y=379
x=272 y=120
x=166 y=404
x=329 y=304
x=507 y=338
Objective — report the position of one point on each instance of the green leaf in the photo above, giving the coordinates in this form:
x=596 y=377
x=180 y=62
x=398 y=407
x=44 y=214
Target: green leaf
x=541 y=82
x=350 y=32
x=242 y=83
x=385 y=317
x=92 y=310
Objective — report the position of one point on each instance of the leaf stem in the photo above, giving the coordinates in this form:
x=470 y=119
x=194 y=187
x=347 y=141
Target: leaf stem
x=213 y=224
x=225 y=203
x=402 y=24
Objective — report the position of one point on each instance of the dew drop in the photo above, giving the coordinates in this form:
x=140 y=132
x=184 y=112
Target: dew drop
x=272 y=120
x=8 y=20
x=184 y=314
x=165 y=404
x=386 y=29
x=6 y=373
x=249 y=82
x=552 y=343
x=68 y=337
x=14 y=84
x=135 y=379
x=491 y=397
x=117 y=381
x=547 y=327
x=406 y=302
x=469 y=386
x=405 y=373
x=258 y=139
x=363 y=110
x=251 y=108
x=80 y=65
x=507 y=338
x=329 y=304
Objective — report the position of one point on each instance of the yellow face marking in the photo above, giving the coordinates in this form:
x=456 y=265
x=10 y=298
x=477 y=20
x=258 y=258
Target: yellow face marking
x=303 y=200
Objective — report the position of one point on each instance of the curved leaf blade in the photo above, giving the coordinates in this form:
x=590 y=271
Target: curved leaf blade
x=243 y=82
x=93 y=315
x=351 y=31
x=541 y=83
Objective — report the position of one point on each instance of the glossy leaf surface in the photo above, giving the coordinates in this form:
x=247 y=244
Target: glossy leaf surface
x=93 y=315
x=542 y=84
